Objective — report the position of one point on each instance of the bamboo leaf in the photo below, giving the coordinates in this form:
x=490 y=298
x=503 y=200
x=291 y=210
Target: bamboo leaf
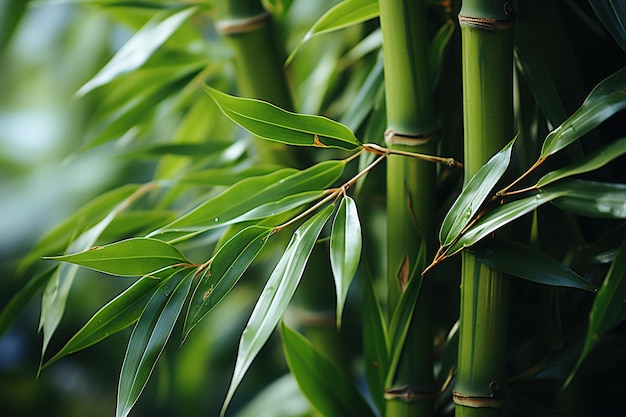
x=345 y=250
x=594 y=199
x=589 y=163
x=342 y=15
x=139 y=48
x=59 y=237
x=227 y=176
x=57 y=290
x=473 y=195
x=612 y=14
x=401 y=317
x=437 y=48
x=327 y=388
x=265 y=195
x=224 y=271
x=606 y=99
x=281 y=398
x=607 y=306
x=275 y=296
x=537 y=75
x=529 y=263
x=116 y=315
x=269 y=122
x=130 y=257
x=149 y=338
x=503 y=215
x=19 y=301
x=375 y=344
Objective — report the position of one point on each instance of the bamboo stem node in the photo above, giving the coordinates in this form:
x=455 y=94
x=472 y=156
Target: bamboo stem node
x=408 y=394
x=409 y=139
x=493 y=400
x=487 y=23
x=244 y=25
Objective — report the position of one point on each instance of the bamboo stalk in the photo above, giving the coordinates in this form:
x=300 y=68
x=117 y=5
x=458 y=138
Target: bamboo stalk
x=410 y=193
x=487 y=39
x=258 y=61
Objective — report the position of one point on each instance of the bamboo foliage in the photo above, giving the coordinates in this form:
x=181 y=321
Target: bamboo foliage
x=239 y=228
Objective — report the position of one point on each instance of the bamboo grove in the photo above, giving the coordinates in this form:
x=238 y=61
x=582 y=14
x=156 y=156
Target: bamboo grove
x=419 y=205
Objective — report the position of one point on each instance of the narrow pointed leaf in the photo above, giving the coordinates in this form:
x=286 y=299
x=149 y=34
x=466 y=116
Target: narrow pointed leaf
x=255 y=195
x=224 y=271
x=130 y=257
x=473 y=195
x=612 y=13
x=437 y=48
x=149 y=338
x=276 y=295
x=606 y=99
x=401 y=317
x=58 y=287
x=503 y=215
x=267 y=121
x=589 y=163
x=529 y=263
x=327 y=388
x=139 y=48
x=607 y=306
x=345 y=250
x=344 y=14
x=116 y=315
x=59 y=238
x=375 y=344
x=18 y=302
x=594 y=199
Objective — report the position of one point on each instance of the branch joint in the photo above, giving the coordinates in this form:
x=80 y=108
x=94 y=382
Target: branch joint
x=242 y=25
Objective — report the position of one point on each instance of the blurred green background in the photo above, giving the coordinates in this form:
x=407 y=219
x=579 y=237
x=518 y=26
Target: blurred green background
x=48 y=50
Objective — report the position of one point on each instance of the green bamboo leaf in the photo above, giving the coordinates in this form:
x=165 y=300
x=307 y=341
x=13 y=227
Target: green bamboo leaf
x=11 y=13
x=606 y=99
x=594 y=199
x=327 y=388
x=18 y=302
x=265 y=195
x=281 y=398
x=503 y=215
x=612 y=14
x=183 y=149
x=473 y=195
x=529 y=263
x=402 y=314
x=57 y=290
x=116 y=315
x=342 y=15
x=267 y=121
x=607 y=306
x=275 y=296
x=537 y=75
x=345 y=250
x=59 y=237
x=139 y=48
x=589 y=163
x=375 y=344
x=228 y=176
x=223 y=272
x=130 y=257
x=150 y=336
x=437 y=48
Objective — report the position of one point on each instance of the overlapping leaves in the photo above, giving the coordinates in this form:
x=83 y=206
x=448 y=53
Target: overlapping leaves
x=276 y=295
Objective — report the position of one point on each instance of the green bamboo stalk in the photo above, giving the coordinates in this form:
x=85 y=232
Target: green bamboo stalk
x=258 y=61
x=487 y=38
x=410 y=193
